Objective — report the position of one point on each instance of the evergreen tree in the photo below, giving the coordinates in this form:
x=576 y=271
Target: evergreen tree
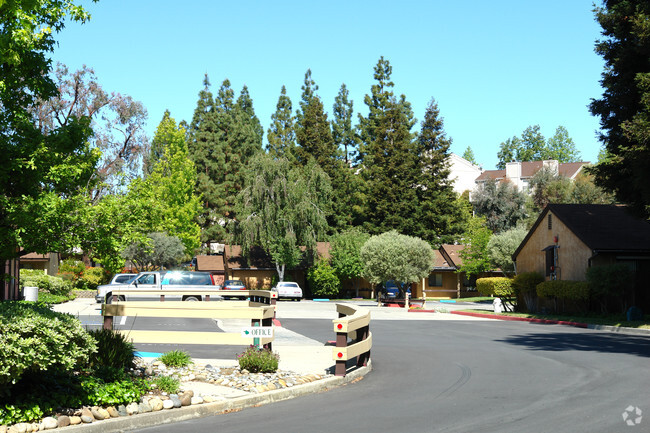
x=439 y=218
x=469 y=155
x=624 y=108
x=156 y=149
x=207 y=153
x=342 y=131
x=389 y=157
x=281 y=135
x=561 y=147
x=532 y=146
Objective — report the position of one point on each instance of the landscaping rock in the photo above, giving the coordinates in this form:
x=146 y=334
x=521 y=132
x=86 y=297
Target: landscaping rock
x=144 y=408
x=132 y=408
x=96 y=414
x=62 y=421
x=176 y=400
x=156 y=404
x=112 y=412
x=50 y=423
x=167 y=404
x=196 y=400
x=75 y=420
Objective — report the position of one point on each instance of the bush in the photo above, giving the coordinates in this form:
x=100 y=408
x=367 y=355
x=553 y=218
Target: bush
x=113 y=350
x=564 y=289
x=36 y=338
x=73 y=267
x=40 y=394
x=46 y=283
x=176 y=358
x=167 y=384
x=495 y=286
x=323 y=281
x=91 y=278
x=609 y=283
x=525 y=288
x=258 y=360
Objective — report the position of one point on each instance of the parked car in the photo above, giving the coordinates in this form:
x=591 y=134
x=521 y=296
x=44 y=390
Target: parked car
x=391 y=290
x=288 y=290
x=234 y=285
x=122 y=278
x=184 y=281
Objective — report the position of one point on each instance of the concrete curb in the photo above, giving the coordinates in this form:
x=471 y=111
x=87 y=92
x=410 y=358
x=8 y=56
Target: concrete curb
x=617 y=329
x=169 y=416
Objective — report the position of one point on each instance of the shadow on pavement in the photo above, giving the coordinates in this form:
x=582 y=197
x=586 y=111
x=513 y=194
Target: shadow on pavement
x=604 y=343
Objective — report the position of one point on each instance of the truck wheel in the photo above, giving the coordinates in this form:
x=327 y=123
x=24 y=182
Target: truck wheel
x=191 y=298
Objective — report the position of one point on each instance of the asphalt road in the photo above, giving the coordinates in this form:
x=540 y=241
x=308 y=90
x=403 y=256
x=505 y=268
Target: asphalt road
x=462 y=376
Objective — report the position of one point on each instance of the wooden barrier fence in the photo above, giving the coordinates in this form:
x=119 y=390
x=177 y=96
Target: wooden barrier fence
x=353 y=323
x=259 y=310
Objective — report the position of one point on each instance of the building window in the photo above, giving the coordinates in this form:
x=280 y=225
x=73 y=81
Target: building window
x=435 y=280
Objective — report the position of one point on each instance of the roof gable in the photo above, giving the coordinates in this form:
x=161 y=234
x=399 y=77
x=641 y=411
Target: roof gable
x=601 y=227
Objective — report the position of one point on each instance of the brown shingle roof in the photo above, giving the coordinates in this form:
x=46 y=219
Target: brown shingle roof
x=209 y=263
x=451 y=253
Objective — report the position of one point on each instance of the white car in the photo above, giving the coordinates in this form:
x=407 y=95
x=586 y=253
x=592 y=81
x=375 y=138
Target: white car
x=288 y=290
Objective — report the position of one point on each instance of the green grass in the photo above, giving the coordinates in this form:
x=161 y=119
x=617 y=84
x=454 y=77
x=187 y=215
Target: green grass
x=594 y=319
x=472 y=299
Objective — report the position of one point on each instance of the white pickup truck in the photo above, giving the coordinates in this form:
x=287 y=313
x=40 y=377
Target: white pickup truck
x=162 y=281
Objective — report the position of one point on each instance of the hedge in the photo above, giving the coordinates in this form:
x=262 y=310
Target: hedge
x=564 y=289
x=495 y=286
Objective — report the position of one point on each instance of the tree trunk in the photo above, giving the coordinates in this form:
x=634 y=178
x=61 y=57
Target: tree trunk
x=280 y=269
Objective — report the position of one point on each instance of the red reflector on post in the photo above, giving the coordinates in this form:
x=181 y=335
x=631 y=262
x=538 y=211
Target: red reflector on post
x=340 y=355
x=339 y=326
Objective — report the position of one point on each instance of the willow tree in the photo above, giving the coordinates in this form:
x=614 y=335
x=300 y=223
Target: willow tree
x=281 y=209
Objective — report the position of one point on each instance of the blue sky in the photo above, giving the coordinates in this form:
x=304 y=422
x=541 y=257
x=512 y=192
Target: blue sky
x=494 y=67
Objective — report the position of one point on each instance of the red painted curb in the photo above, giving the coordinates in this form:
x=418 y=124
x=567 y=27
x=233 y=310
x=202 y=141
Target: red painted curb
x=521 y=319
x=415 y=310
x=276 y=322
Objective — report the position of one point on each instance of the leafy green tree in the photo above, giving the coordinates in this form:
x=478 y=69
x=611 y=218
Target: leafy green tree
x=501 y=204
x=281 y=135
x=281 y=208
x=342 y=131
x=346 y=255
x=532 y=146
x=323 y=280
x=624 y=108
x=502 y=246
x=392 y=256
x=158 y=250
x=166 y=201
x=475 y=254
x=469 y=155
x=43 y=174
x=561 y=147
x=438 y=218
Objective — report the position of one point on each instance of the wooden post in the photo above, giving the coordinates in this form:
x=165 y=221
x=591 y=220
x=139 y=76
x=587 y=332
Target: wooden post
x=162 y=298
x=341 y=365
x=108 y=322
x=362 y=334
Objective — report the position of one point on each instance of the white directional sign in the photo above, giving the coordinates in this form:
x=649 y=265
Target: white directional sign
x=257 y=332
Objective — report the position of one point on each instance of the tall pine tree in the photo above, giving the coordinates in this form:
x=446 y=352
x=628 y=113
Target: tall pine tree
x=439 y=218
x=388 y=154
x=281 y=135
x=206 y=151
x=342 y=132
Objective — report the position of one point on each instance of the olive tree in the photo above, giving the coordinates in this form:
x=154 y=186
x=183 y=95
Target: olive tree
x=393 y=256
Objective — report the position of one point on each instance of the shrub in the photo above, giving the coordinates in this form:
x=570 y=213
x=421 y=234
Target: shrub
x=500 y=287
x=91 y=278
x=564 y=289
x=525 y=288
x=608 y=283
x=73 y=267
x=495 y=286
x=113 y=350
x=176 y=358
x=36 y=338
x=167 y=384
x=323 y=281
x=46 y=283
x=258 y=360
